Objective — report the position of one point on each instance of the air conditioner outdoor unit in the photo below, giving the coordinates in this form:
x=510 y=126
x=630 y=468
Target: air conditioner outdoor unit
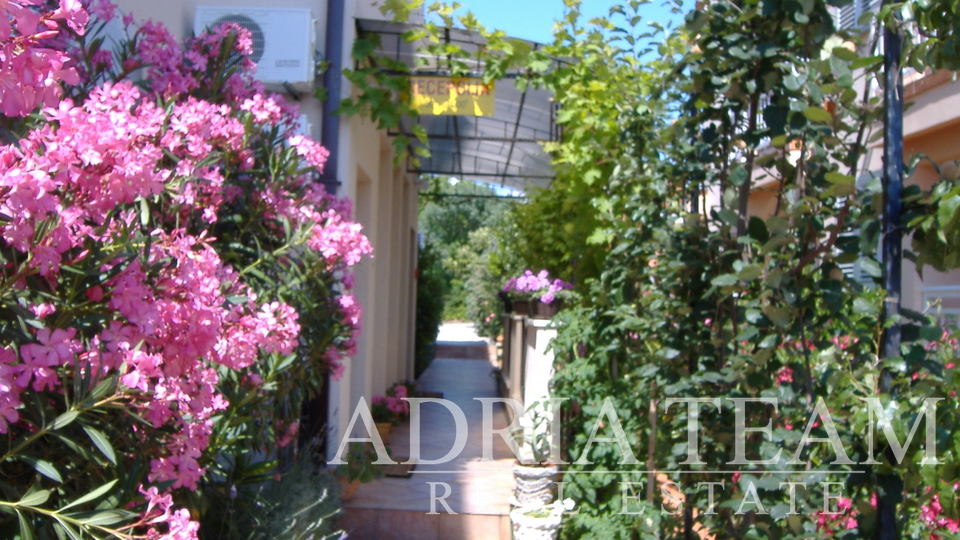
x=284 y=41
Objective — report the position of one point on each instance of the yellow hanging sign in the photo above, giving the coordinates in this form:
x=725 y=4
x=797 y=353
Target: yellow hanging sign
x=460 y=96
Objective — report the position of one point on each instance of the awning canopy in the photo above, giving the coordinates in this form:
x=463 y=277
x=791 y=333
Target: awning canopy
x=503 y=148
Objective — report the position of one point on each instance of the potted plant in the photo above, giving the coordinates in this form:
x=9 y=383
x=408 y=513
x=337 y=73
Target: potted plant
x=383 y=416
x=357 y=469
x=533 y=473
x=403 y=389
x=391 y=409
x=538 y=520
x=536 y=294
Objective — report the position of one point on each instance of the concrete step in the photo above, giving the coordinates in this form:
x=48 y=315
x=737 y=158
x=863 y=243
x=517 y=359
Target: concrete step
x=381 y=524
x=463 y=351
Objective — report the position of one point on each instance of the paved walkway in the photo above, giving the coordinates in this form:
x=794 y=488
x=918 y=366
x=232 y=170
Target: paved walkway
x=479 y=491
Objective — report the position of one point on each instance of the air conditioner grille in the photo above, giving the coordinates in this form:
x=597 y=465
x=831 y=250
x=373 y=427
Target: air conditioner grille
x=256 y=33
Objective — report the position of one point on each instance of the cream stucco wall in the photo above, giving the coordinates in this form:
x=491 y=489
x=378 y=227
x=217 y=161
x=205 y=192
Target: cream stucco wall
x=385 y=198
x=931 y=126
x=387 y=206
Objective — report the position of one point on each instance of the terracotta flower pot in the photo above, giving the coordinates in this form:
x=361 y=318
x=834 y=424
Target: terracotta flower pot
x=384 y=429
x=349 y=489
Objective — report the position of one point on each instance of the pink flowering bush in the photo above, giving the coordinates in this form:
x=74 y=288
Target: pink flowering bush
x=174 y=284
x=383 y=409
x=396 y=399
x=393 y=407
x=31 y=65
x=842 y=517
x=934 y=518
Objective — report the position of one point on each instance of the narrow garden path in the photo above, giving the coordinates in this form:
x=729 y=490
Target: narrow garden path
x=477 y=505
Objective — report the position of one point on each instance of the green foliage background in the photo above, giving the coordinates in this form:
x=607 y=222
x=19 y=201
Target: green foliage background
x=431 y=291
x=459 y=218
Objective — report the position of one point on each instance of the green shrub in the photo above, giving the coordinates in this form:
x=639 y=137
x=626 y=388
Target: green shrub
x=303 y=505
x=431 y=288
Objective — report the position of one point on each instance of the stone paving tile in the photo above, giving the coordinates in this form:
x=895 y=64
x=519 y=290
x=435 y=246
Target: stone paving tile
x=400 y=525
x=479 y=490
x=470 y=527
x=361 y=523
x=477 y=487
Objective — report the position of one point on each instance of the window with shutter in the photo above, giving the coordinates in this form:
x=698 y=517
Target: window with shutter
x=848 y=17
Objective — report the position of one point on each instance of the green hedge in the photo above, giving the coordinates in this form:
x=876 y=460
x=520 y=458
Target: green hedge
x=431 y=287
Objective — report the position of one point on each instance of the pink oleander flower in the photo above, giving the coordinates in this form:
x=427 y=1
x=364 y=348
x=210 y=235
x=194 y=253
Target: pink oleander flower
x=156 y=502
x=349 y=280
x=74 y=13
x=336 y=371
x=9 y=390
x=350 y=309
x=103 y=10
x=44 y=310
x=265 y=109
x=179 y=527
x=55 y=348
x=337 y=240
x=286 y=435
x=315 y=154
x=143 y=368
x=32 y=62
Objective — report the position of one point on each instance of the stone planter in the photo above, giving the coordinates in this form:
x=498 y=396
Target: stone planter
x=534 y=483
x=507 y=302
x=546 y=311
x=522 y=307
x=534 y=527
x=384 y=429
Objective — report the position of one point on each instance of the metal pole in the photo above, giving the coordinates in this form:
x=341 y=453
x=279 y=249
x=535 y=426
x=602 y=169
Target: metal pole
x=892 y=246
x=330 y=125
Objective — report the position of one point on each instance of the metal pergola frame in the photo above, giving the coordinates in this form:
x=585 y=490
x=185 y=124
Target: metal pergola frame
x=505 y=148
